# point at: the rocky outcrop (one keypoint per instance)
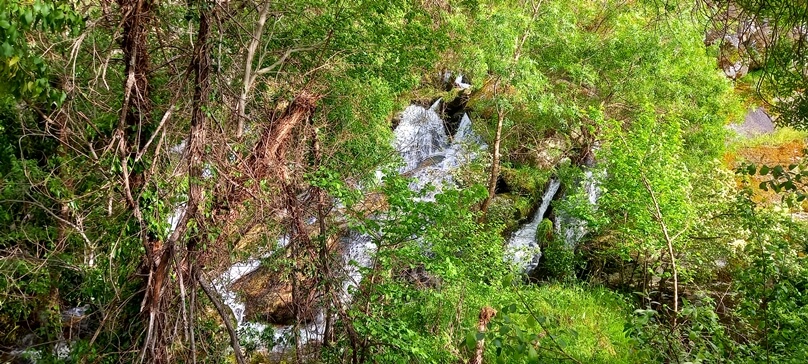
(742, 40)
(268, 292)
(756, 122)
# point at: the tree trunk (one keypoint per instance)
(160, 256)
(486, 314)
(225, 314)
(492, 180)
(248, 72)
(325, 265)
(657, 214)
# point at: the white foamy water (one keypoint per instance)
(429, 157)
(572, 228)
(522, 247)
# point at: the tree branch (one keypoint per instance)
(214, 297)
(669, 240)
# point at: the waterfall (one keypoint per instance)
(572, 228)
(233, 274)
(522, 248)
(420, 134)
(429, 157)
(359, 249)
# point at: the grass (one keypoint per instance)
(588, 321)
(780, 136)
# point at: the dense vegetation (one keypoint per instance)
(146, 147)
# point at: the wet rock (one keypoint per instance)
(419, 277)
(267, 295)
(756, 122)
(267, 291)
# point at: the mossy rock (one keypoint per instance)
(510, 210)
(525, 181)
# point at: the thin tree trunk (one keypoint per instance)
(197, 135)
(325, 266)
(223, 312)
(669, 240)
(158, 338)
(248, 63)
(486, 314)
(492, 180)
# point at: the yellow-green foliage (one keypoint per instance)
(586, 321)
(780, 136)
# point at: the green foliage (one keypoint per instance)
(780, 136)
(652, 151)
(567, 76)
(550, 323)
(772, 282)
(786, 179)
(558, 261)
(24, 72)
(699, 336)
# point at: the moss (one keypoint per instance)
(509, 210)
(524, 206)
(525, 181)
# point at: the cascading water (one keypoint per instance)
(234, 273)
(523, 250)
(572, 228)
(522, 247)
(429, 157)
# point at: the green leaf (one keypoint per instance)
(6, 50)
(471, 342)
(532, 355)
(28, 17)
(503, 330)
(764, 170)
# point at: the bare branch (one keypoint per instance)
(217, 302)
